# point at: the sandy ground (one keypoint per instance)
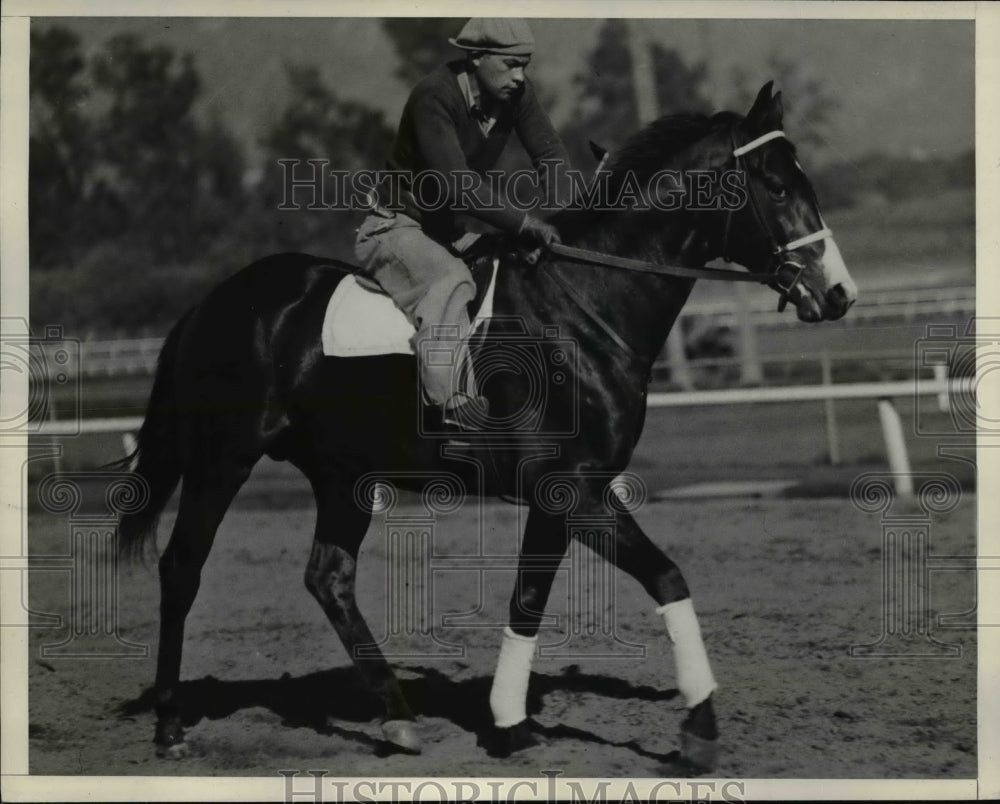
(783, 588)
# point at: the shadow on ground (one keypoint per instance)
(313, 701)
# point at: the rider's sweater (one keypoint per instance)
(443, 128)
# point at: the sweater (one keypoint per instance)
(438, 131)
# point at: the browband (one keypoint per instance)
(771, 135)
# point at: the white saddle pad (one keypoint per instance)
(361, 322)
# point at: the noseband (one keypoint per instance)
(781, 255)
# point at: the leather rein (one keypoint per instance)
(782, 255)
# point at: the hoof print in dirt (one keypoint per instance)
(501, 743)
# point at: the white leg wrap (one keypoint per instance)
(510, 682)
(694, 676)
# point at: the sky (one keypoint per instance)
(901, 86)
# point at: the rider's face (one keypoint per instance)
(500, 76)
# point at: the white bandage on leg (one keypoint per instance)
(510, 682)
(694, 676)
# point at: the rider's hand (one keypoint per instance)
(536, 232)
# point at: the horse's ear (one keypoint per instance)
(766, 112)
(776, 112)
(761, 103)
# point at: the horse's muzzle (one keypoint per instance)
(838, 302)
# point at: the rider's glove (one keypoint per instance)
(536, 232)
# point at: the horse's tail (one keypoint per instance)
(157, 454)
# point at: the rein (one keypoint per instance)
(628, 264)
(781, 256)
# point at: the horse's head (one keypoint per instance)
(777, 227)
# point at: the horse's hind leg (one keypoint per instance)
(205, 496)
(341, 524)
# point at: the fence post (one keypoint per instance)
(680, 371)
(895, 445)
(751, 372)
(941, 375)
(830, 408)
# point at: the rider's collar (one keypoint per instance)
(470, 91)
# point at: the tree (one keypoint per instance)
(606, 110)
(807, 102)
(317, 124)
(126, 187)
(61, 153)
(148, 139)
(421, 44)
(678, 85)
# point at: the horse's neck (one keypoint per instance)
(642, 308)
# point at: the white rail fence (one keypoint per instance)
(873, 303)
(949, 391)
(138, 356)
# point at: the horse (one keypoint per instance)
(243, 375)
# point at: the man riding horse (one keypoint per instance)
(457, 120)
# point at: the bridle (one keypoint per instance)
(781, 255)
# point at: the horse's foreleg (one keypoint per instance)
(543, 548)
(633, 552)
(330, 577)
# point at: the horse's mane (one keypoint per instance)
(645, 151)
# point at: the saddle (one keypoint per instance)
(362, 321)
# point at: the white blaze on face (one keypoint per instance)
(835, 271)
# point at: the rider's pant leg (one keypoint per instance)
(431, 286)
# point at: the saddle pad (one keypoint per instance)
(361, 323)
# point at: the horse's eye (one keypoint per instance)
(777, 189)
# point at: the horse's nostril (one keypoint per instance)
(839, 296)
(842, 292)
(838, 302)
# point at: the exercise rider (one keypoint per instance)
(456, 120)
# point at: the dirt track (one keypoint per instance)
(782, 587)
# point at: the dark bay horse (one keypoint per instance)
(243, 375)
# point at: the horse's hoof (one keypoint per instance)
(402, 734)
(169, 739)
(500, 743)
(700, 754)
(176, 751)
